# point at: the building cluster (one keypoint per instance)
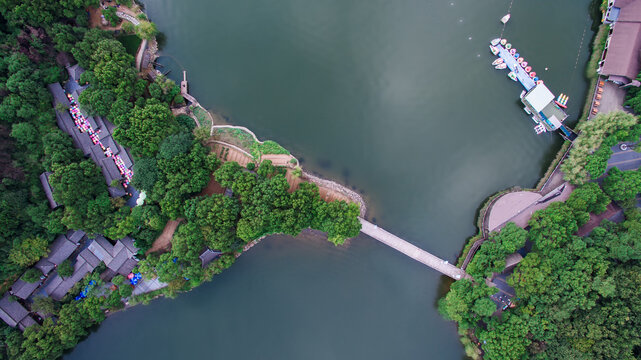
(620, 61)
(91, 134)
(86, 255)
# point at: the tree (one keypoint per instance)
(145, 173)
(175, 145)
(146, 128)
(32, 275)
(44, 305)
(65, 269)
(588, 197)
(622, 186)
(146, 30)
(340, 220)
(28, 251)
(216, 216)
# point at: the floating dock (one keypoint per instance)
(537, 98)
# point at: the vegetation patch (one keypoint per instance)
(574, 297)
(131, 43)
(587, 160)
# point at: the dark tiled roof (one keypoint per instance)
(44, 180)
(26, 322)
(89, 257)
(23, 289)
(208, 256)
(58, 93)
(630, 10)
(75, 235)
(85, 143)
(75, 72)
(127, 267)
(97, 154)
(116, 191)
(110, 170)
(60, 250)
(12, 312)
(622, 56)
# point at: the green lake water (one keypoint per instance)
(396, 99)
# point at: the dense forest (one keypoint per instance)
(575, 297)
(172, 166)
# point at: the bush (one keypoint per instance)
(65, 269)
(32, 275)
(593, 134)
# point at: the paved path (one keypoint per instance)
(412, 251)
(624, 159)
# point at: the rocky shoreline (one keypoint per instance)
(351, 194)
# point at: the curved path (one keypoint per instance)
(412, 251)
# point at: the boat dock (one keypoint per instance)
(537, 98)
(509, 60)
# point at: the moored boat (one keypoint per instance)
(505, 18)
(495, 42)
(498, 61)
(528, 68)
(494, 50)
(500, 66)
(524, 64)
(512, 75)
(503, 42)
(519, 60)
(508, 46)
(532, 75)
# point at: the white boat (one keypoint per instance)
(503, 42)
(524, 64)
(500, 66)
(505, 18)
(495, 42)
(494, 50)
(498, 61)
(512, 75)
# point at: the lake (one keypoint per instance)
(396, 99)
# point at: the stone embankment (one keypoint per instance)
(334, 186)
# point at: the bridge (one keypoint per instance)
(412, 251)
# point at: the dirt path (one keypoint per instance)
(279, 159)
(163, 242)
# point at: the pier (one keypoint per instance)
(412, 251)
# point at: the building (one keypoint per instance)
(44, 180)
(539, 102)
(23, 289)
(208, 256)
(101, 127)
(119, 259)
(14, 314)
(620, 59)
(60, 250)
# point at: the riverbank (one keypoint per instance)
(552, 180)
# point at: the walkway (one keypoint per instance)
(627, 159)
(412, 251)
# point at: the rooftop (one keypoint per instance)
(23, 289)
(44, 180)
(622, 57)
(539, 97)
(12, 312)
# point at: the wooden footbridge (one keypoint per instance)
(412, 251)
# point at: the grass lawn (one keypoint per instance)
(131, 43)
